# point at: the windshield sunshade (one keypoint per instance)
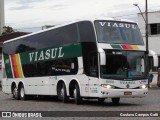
(112, 32)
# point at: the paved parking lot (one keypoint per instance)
(149, 103)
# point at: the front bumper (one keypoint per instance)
(123, 93)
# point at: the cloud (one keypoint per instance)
(27, 2)
(57, 7)
(21, 7)
(33, 13)
(24, 4)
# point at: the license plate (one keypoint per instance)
(127, 93)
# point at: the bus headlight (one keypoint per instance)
(107, 86)
(143, 86)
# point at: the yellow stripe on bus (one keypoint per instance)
(18, 66)
(135, 47)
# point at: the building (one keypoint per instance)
(1, 16)
(154, 37)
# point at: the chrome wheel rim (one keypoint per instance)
(15, 92)
(75, 93)
(22, 92)
(62, 92)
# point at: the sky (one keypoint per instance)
(31, 15)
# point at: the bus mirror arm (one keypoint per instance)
(155, 58)
(102, 56)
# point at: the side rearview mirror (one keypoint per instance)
(155, 58)
(102, 56)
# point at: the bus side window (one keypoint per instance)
(93, 65)
(67, 66)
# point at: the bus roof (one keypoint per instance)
(68, 23)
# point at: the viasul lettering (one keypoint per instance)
(52, 53)
(118, 25)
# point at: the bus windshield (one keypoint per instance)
(112, 32)
(124, 65)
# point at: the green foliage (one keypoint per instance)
(7, 30)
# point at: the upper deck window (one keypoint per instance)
(113, 32)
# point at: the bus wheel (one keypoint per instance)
(62, 93)
(115, 101)
(15, 93)
(101, 100)
(77, 96)
(22, 93)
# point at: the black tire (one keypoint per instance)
(22, 94)
(62, 93)
(115, 101)
(15, 93)
(101, 100)
(77, 97)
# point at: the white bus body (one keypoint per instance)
(77, 60)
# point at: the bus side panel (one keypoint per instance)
(40, 85)
(6, 85)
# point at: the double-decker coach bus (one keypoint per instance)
(97, 58)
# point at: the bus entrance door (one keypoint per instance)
(93, 86)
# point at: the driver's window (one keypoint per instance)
(140, 65)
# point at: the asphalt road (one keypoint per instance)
(149, 103)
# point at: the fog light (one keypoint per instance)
(144, 86)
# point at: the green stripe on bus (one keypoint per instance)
(53, 53)
(8, 66)
(116, 46)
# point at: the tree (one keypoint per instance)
(7, 30)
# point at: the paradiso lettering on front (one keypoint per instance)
(14, 62)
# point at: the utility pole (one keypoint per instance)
(1, 16)
(146, 30)
(146, 23)
(146, 14)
